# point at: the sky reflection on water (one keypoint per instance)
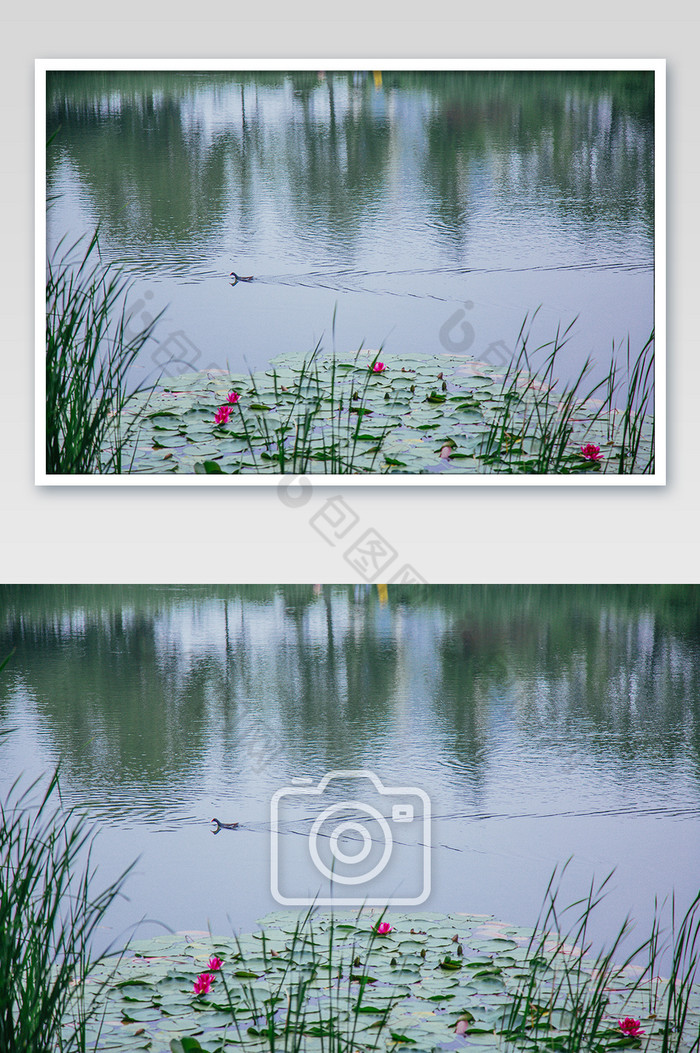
(543, 723)
(395, 204)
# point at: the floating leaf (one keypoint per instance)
(208, 468)
(186, 1044)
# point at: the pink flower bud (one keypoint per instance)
(630, 1027)
(591, 452)
(202, 984)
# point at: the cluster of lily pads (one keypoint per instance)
(349, 983)
(337, 414)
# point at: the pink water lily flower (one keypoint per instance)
(630, 1027)
(378, 367)
(215, 963)
(223, 415)
(383, 928)
(202, 984)
(591, 452)
(233, 397)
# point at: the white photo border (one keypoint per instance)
(658, 66)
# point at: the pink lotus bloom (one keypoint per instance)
(202, 984)
(378, 367)
(215, 963)
(223, 415)
(233, 397)
(591, 452)
(383, 928)
(630, 1027)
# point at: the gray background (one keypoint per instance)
(208, 534)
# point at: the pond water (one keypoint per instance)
(542, 723)
(422, 211)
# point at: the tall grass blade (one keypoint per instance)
(89, 351)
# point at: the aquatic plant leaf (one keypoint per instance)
(416, 396)
(186, 1044)
(208, 468)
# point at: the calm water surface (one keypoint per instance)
(430, 211)
(542, 722)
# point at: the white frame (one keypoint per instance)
(658, 66)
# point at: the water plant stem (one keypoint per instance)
(89, 351)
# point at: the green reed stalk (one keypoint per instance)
(295, 444)
(685, 965)
(88, 354)
(48, 916)
(295, 1011)
(638, 403)
(563, 980)
(532, 431)
(534, 413)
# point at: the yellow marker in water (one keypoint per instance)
(377, 74)
(383, 591)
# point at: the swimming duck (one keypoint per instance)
(223, 826)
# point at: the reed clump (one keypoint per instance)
(532, 432)
(569, 1000)
(89, 351)
(301, 443)
(49, 915)
(326, 1002)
